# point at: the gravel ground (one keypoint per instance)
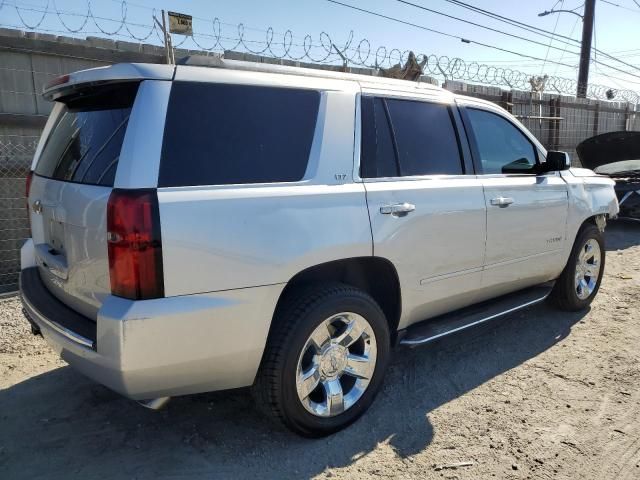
(539, 394)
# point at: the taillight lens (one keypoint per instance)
(135, 246)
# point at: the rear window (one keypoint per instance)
(217, 134)
(85, 142)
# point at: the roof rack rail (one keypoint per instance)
(326, 71)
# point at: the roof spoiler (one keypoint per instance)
(120, 72)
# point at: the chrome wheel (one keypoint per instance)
(336, 364)
(588, 269)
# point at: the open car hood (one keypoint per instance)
(622, 148)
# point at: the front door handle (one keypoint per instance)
(502, 201)
(398, 209)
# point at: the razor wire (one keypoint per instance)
(215, 36)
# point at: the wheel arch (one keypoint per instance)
(375, 275)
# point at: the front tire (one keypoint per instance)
(580, 280)
(325, 359)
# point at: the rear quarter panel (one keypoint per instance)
(237, 236)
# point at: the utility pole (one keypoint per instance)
(585, 49)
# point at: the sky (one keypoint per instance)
(616, 29)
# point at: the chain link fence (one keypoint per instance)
(16, 152)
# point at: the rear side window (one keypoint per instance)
(217, 134)
(425, 137)
(85, 142)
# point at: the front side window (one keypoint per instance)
(220, 134)
(502, 147)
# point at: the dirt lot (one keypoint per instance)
(540, 394)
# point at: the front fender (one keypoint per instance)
(590, 195)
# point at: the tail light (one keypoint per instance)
(134, 243)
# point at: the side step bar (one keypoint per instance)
(435, 328)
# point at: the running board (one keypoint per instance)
(435, 328)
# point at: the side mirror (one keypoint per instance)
(556, 161)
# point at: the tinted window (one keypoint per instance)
(502, 147)
(219, 134)
(378, 158)
(84, 144)
(425, 137)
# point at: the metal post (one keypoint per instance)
(585, 49)
(557, 122)
(596, 119)
(551, 132)
(166, 39)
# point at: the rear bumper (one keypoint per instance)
(163, 347)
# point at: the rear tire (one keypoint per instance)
(325, 359)
(580, 280)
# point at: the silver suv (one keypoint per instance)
(222, 224)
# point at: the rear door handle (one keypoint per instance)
(502, 201)
(398, 209)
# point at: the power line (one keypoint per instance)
(466, 40)
(534, 29)
(622, 6)
(511, 21)
(555, 27)
(495, 30)
(575, 24)
(450, 35)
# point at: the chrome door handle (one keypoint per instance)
(398, 209)
(502, 201)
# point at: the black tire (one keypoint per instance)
(564, 294)
(294, 322)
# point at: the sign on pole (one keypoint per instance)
(180, 23)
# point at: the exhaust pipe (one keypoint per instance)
(155, 403)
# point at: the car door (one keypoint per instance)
(425, 204)
(526, 210)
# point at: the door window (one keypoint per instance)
(426, 139)
(502, 147)
(378, 156)
(408, 138)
